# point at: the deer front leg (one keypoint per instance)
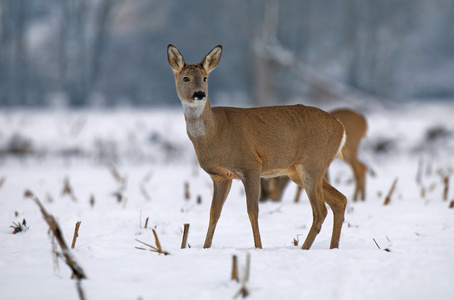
(221, 190)
(252, 187)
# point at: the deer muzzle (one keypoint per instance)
(199, 96)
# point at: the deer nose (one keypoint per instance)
(199, 95)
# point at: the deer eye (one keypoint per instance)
(205, 79)
(186, 79)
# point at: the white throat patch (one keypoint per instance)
(192, 112)
(194, 109)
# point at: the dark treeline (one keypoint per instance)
(109, 52)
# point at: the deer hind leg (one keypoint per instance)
(252, 187)
(298, 194)
(221, 190)
(314, 190)
(359, 171)
(319, 212)
(337, 202)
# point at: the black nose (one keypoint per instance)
(198, 96)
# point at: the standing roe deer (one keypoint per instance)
(250, 143)
(355, 127)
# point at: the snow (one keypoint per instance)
(150, 149)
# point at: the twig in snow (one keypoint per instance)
(235, 268)
(157, 249)
(296, 240)
(185, 236)
(243, 291)
(376, 244)
(187, 195)
(445, 190)
(118, 196)
(92, 200)
(18, 227)
(80, 291)
(78, 272)
(386, 249)
(76, 234)
(388, 197)
(68, 190)
(423, 191)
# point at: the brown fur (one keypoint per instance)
(355, 127)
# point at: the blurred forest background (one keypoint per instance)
(113, 52)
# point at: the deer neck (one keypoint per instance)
(199, 118)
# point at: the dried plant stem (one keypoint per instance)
(235, 268)
(376, 244)
(391, 190)
(92, 200)
(248, 267)
(158, 244)
(186, 191)
(19, 227)
(244, 292)
(185, 236)
(76, 234)
(446, 189)
(158, 248)
(146, 223)
(68, 190)
(296, 241)
(386, 249)
(78, 272)
(80, 291)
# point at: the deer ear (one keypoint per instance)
(211, 60)
(176, 60)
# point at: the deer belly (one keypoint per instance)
(274, 173)
(222, 172)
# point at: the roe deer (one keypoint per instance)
(250, 143)
(355, 127)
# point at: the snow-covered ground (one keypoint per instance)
(150, 150)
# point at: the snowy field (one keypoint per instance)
(40, 151)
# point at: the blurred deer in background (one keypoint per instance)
(249, 143)
(355, 127)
